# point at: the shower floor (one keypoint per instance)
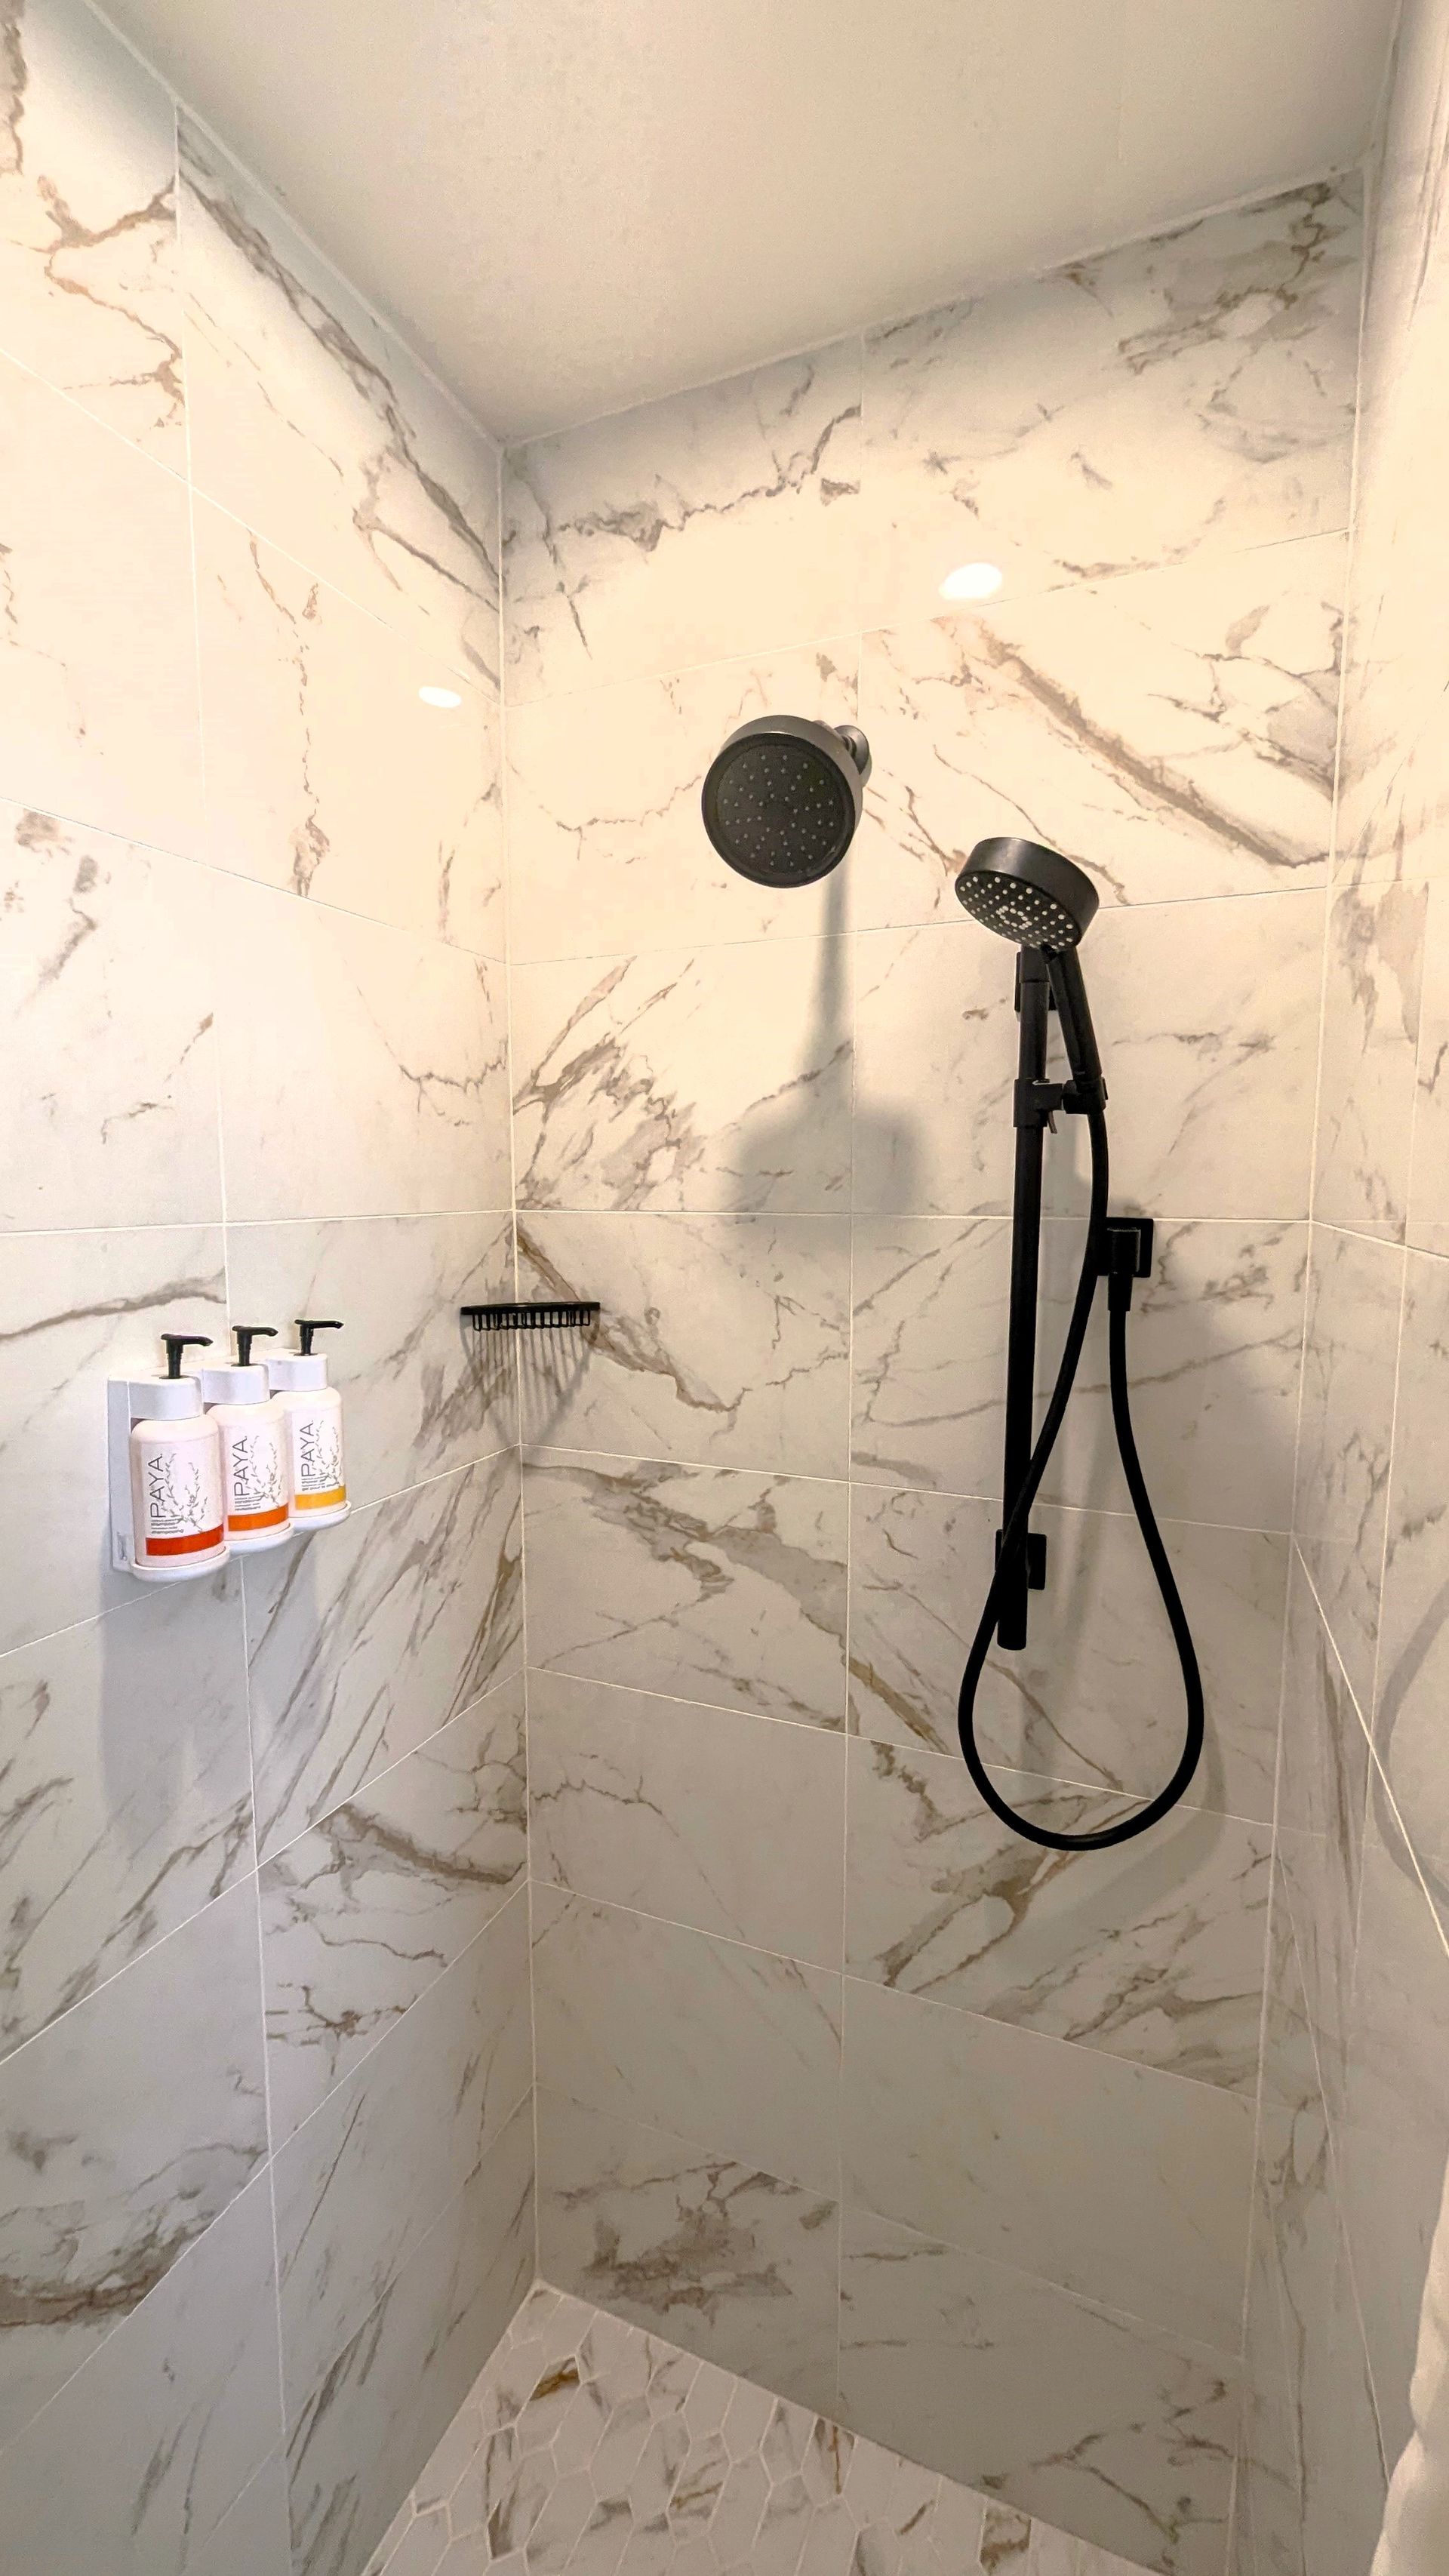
(592, 2447)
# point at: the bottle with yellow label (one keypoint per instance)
(313, 1411)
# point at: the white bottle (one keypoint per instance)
(252, 1427)
(179, 1523)
(314, 1427)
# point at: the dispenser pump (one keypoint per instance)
(307, 1325)
(175, 1343)
(245, 1382)
(246, 1334)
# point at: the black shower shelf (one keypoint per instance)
(541, 1318)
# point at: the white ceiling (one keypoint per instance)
(571, 205)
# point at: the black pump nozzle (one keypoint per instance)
(246, 1334)
(176, 1343)
(307, 1325)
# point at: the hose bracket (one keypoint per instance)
(1125, 1255)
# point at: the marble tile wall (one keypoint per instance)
(265, 2042)
(840, 2086)
(1348, 2247)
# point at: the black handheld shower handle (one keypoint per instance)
(1069, 992)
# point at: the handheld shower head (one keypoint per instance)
(783, 796)
(1027, 894)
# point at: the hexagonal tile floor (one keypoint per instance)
(592, 2447)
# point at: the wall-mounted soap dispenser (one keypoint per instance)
(168, 1521)
(314, 1424)
(252, 1426)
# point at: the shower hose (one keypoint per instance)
(1119, 1297)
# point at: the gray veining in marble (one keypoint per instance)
(370, 2425)
(361, 2182)
(725, 2259)
(125, 1791)
(363, 1072)
(1173, 729)
(90, 727)
(313, 424)
(1153, 1952)
(736, 1826)
(110, 2168)
(723, 1339)
(107, 1054)
(1322, 1791)
(1366, 1103)
(422, 1393)
(739, 2049)
(1096, 1694)
(325, 771)
(366, 1638)
(133, 2466)
(1214, 1349)
(88, 265)
(362, 1913)
(1058, 2407)
(687, 530)
(1112, 2181)
(1355, 1291)
(1184, 396)
(719, 1079)
(1408, 1711)
(705, 1583)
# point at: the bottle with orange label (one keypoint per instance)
(252, 1428)
(178, 1518)
(313, 1412)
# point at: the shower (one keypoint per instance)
(781, 802)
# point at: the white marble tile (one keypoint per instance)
(88, 281)
(1188, 395)
(363, 1073)
(1355, 1289)
(367, 1638)
(704, 1583)
(325, 772)
(361, 1914)
(722, 1339)
(1413, 1643)
(1393, 2139)
(254, 2538)
(422, 1393)
(711, 523)
(1153, 1952)
(125, 2129)
(1323, 1781)
(1428, 1208)
(1061, 2408)
(125, 1787)
(734, 1825)
(714, 1079)
(1213, 1352)
(737, 2266)
(1373, 979)
(170, 2419)
(1172, 730)
(75, 1309)
(1111, 2181)
(369, 2426)
(107, 1058)
(604, 794)
(1207, 1015)
(313, 424)
(360, 2183)
(1096, 1695)
(736, 2049)
(98, 711)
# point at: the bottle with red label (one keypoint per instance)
(252, 1428)
(175, 1455)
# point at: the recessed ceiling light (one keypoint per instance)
(972, 581)
(440, 697)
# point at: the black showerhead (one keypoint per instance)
(783, 798)
(1027, 894)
